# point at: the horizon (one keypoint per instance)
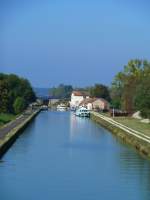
(79, 43)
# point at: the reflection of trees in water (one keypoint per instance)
(136, 170)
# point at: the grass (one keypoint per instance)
(5, 118)
(135, 124)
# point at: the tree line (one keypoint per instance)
(64, 91)
(61, 91)
(15, 93)
(129, 91)
(130, 88)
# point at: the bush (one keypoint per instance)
(142, 98)
(12, 87)
(19, 105)
(5, 118)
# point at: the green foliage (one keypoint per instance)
(142, 97)
(100, 91)
(11, 87)
(61, 92)
(4, 96)
(131, 87)
(116, 93)
(19, 105)
(5, 118)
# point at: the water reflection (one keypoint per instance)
(134, 171)
(77, 125)
(61, 156)
(83, 127)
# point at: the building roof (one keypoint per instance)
(104, 100)
(80, 93)
(88, 100)
(92, 100)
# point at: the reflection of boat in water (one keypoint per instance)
(82, 112)
(61, 107)
(73, 108)
(44, 107)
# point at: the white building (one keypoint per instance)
(76, 98)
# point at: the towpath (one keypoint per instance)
(13, 124)
(127, 129)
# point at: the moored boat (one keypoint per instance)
(82, 112)
(44, 107)
(61, 107)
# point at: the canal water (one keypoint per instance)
(63, 157)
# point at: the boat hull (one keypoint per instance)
(82, 114)
(61, 109)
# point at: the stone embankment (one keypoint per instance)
(135, 138)
(10, 132)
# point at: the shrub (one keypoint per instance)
(19, 105)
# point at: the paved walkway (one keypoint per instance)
(11, 125)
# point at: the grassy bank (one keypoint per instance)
(135, 124)
(5, 118)
(130, 122)
(139, 142)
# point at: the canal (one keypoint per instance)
(62, 157)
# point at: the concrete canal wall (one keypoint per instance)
(138, 140)
(9, 137)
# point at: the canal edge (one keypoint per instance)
(141, 144)
(12, 135)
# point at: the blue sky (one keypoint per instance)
(79, 42)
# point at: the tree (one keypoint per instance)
(100, 91)
(19, 105)
(127, 82)
(116, 94)
(131, 88)
(11, 87)
(28, 93)
(61, 92)
(4, 98)
(142, 97)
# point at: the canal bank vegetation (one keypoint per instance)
(11, 135)
(137, 140)
(131, 122)
(135, 124)
(6, 118)
(16, 94)
(130, 90)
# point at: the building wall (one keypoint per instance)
(89, 106)
(75, 100)
(100, 104)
